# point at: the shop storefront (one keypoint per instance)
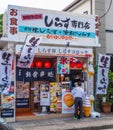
(63, 56)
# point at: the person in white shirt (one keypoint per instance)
(78, 94)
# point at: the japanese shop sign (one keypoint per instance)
(102, 73)
(60, 50)
(13, 22)
(28, 51)
(5, 71)
(52, 25)
(34, 74)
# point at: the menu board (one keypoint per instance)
(44, 94)
(45, 98)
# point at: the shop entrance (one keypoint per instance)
(23, 98)
(28, 96)
(38, 90)
(35, 97)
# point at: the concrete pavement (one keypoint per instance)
(67, 123)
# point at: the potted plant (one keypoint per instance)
(106, 105)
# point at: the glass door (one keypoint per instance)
(35, 97)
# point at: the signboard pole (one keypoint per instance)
(14, 54)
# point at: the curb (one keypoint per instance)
(92, 127)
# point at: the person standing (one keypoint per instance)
(78, 94)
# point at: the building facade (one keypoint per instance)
(40, 81)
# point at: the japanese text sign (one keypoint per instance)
(34, 74)
(102, 73)
(28, 51)
(5, 70)
(52, 25)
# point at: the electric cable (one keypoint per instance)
(107, 10)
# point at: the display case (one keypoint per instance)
(55, 97)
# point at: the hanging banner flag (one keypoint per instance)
(5, 71)
(102, 73)
(28, 51)
(104, 61)
(63, 65)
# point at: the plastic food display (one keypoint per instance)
(86, 106)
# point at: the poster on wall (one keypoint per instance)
(67, 102)
(7, 102)
(22, 94)
(36, 91)
(63, 66)
(22, 89)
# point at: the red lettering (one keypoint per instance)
(13, 30)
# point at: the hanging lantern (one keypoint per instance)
(39, 64)
(32, 65)
(72, 64)
(78, 64)
(47, 64)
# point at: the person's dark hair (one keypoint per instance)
(79, 83)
